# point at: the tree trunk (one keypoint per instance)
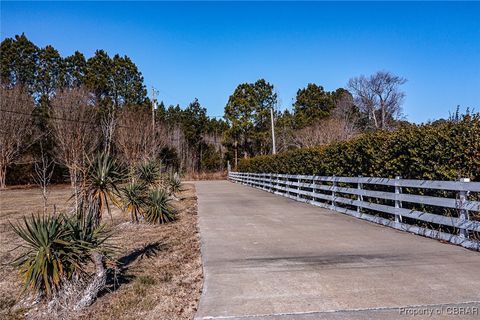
(382, 108)
(3, 176)
(97, 284)
(73, 177)
(236, 154)
(374, 119)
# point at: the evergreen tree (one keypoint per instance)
(75, 70)
(248, 115)
(312, 103)
(49, 72)
(18, 61)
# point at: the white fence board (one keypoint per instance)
(323, 192)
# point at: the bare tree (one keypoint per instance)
(136, 138)
(346, 111)
(108, 125)
(16, 108)
(379, 97)
(43, 174)
(324, 132)
(73, 117)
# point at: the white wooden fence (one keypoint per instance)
(339, 194)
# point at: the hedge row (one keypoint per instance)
(444, 150)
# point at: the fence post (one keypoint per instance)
(287, 186)
(298, 188)
(334, 187)
(463, 214)
(274, 182)
(359, 196)
(278, 183)
(398, 203)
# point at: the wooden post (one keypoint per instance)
(287, 180)
(359, 196)
(398, 203)
(463, 213)
(334, 187)
(298, 188)
(313, 189)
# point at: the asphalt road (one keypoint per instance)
(269, 257)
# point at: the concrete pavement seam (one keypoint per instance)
(339, 311)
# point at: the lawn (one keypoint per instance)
(158, 273)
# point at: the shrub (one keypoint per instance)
(174, 184)
(445, 150)
(132, 198)
(58, 247)
(148, 173)
(157, 208)
(100, 184)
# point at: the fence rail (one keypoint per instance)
(384, 201)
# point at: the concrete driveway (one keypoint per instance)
(268, 257)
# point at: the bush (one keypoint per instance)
(148, 173)
(174, 184)
(59, 247)
(132, 199)
(100, 183)
(158, 209)
(445, 150)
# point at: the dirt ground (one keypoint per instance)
(159, 273)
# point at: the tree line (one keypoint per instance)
(72, 106)
(64, 108)
(317, 116)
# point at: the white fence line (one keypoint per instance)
(325, 192)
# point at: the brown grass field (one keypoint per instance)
(159, 271)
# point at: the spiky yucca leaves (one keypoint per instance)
(157, 208)
(100, 184)
(148, 173)
(49, 255)
(58, 247)
(132, 198)
(84, 230)
(175, 184)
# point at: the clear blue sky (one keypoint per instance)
(205, 50)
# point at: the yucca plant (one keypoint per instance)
(58, 247)
(50, 256)
(84, 230)
(175, 185)
(100, 184)
(157, 207)
(148, 172)
(132, 198)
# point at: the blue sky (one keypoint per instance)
(205, 50)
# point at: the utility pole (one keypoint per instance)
(273, 132)
(154, 106)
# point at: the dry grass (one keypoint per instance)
(219, 175)
(159, 272)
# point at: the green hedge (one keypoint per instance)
(444, 150)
